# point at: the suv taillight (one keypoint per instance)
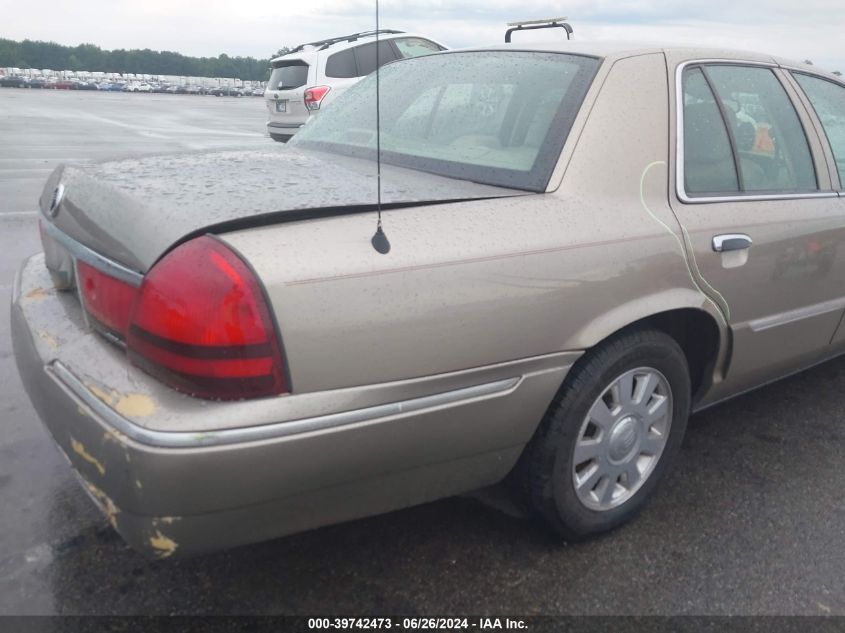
(201, 324)
(314, 96)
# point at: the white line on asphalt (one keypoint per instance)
(18, 214)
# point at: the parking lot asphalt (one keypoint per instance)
(751, 519)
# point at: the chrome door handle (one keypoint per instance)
(731, 242)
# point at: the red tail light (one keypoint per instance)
(201, 324)
(314, 96)
(106, 299)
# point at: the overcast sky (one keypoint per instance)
(805, 29)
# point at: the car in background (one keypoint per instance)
(138, 87)
(13, 81)
(226, 91)
(176, 90)
(113, 87)
(37, 83)
(66, 84)
(312, 75)
(87, 85)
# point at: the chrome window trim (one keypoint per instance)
(679, 144)
(196, 439)
(81, 252)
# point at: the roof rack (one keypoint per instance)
(324, 44)
(529, 25)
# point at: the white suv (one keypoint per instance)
(313, 74)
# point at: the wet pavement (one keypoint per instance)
(750, 521)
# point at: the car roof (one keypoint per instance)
(310, 50)
(612, 50)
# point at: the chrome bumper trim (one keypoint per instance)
(285, 126)
(188, 439)
(81, 252)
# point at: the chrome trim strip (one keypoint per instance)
(56, 200)
(806, 312)
(193, 439)
(82, 252)
(679, 145)
(753, 198)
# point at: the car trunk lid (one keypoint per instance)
(133, 211)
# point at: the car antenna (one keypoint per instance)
(379, 239)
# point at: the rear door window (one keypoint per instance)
(415, 46)
(742, 134)
(288, 75)
(773, 151)
(828, 100)
(366, 56)
(342, 65)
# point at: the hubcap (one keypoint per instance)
(622, 438)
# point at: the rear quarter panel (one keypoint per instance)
(477, 283)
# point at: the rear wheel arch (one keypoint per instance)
(700, 336)
(685, 314)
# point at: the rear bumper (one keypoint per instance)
(285, 130)
(175, 490)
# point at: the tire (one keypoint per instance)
(547, 472)
(281, 138)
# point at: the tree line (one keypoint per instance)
(41, 55)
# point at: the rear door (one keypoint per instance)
(826, 101)
(761, 221)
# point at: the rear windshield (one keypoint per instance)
(495, 117)
(288, 75)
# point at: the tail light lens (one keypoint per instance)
(314, 96)
(200, 323)
(107, 300)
